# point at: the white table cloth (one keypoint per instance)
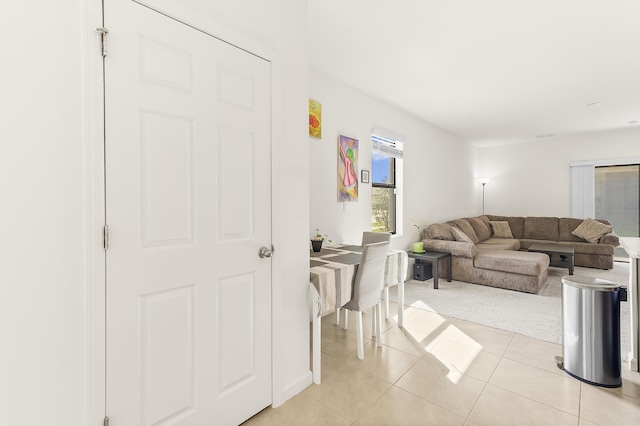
(332, 271)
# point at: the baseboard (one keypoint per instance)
(293, 389)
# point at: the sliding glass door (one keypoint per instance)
(617, 191)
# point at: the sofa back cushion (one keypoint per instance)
(460, 236)
(439, 231)
(516, 223)
(481, 227)
(541, 228)
(566, 226)
(465, 226)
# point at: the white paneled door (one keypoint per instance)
(188, 196)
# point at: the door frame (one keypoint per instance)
(94, 193)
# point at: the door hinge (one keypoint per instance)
(105, 237)
(106, 421)
(103, 36)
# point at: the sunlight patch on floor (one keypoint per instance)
(419, 304)
(453, 348)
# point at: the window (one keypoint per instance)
(617, 197)
(386, 159)
(383, 194)
(608, 189)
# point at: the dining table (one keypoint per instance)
(332, 270)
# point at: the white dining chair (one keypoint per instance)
(368, 237)
(367, 289)
(401, 274)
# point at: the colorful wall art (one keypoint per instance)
(315, 119)
(347, 169)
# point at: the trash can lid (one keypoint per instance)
(590, 283)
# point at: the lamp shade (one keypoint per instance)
(483, 180)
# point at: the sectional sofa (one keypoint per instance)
(492, 250)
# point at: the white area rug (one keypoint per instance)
(534, 315)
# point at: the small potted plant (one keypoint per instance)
(419, 246)
(317, 239)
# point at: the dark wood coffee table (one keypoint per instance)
(560, 256)
(433, 257)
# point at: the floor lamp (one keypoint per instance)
(483, 181)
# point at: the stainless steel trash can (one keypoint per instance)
(591, 329)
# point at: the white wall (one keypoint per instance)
(41, 219)
(48, 179)
(534, 179)
(439, 180)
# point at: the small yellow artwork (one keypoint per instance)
(315, 119)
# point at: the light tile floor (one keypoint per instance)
(445, 371)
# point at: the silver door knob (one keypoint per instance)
(264, 252)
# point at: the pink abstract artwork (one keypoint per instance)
(347, 169)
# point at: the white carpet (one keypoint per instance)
(534, 315)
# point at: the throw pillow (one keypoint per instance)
(591, 230)
(501, 229)
(460, 236)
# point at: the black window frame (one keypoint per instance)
(393, 186)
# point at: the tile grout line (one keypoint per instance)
(544, 371)
(468, 419)
(580, 404)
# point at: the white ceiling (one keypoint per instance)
(488, 71)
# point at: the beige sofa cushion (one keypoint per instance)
(591, 230)
(460, 236)
(500, 244)
(590, 249)
(501, 229)
(481, 227)
(610, 238)
(566, 226)
(439, 231)
(465, 226)
(518, 262)
(466, 250)
(541, 228)
(516, 223)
